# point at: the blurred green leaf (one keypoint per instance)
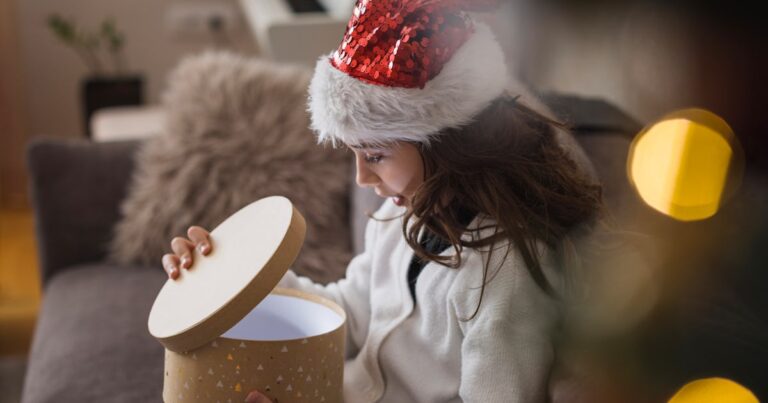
(63, 28)
(88, 44)
(115, 39)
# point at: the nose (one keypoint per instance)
(365, 177)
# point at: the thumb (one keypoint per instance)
(256, 397)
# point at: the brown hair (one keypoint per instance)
(508, 165)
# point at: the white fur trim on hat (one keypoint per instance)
(354, 112)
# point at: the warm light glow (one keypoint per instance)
(680, 164)
(713, 390)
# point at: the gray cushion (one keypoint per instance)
(76, 188)
(91, 343)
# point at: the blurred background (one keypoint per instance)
(647, 57)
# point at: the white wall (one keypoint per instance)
(52, 71)
(636, 56)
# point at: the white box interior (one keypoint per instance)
(281, 317)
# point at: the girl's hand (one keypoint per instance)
(181, 257)
(256, 397)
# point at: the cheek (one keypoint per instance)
(404, 179)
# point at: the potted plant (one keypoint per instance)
(107, 83)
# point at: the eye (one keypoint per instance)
(373, 159)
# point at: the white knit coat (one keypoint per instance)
(401, 352)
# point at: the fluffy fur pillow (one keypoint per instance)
(236, 131)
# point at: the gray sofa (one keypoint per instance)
(91, 342)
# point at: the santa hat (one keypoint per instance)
(405, 70)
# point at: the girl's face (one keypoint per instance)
(395, 171)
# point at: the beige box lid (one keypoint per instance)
(252, 250)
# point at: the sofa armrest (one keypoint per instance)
(605, 133)
(76, 190)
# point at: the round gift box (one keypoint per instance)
(227, 330)
(290, 347)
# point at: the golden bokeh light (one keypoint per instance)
(680, 165)
(713, 390)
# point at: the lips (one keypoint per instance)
(397, 199)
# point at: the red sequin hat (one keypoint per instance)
(405, 70)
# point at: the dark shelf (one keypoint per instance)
(306, 6)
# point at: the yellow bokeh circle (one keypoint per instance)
(713, 390)
(680, 165)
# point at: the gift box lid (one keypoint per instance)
(252, 250)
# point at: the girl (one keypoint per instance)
(455, 297)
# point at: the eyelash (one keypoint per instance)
(373, 159)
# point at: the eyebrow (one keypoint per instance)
(367, 147)
(375, 146)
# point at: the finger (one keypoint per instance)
(257, 397)
(201, 238)
(171, 265)
(183, 247)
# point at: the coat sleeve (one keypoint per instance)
(352, 292)
(506, 351)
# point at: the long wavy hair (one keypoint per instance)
(507, 165)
